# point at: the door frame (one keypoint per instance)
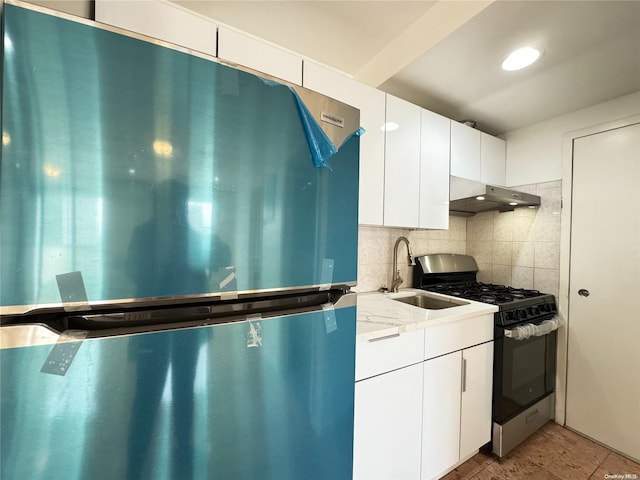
(565, 251)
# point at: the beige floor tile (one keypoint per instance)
(519, 466)
(552, 453)
(616, 464)
(469, 468)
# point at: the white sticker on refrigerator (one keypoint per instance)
(254, 330)
(72, 292)
(326, 274)
(330, 321)
(63, 352)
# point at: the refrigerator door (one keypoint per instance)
(135, 171)
(258, 399)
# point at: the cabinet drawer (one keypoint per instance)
(382, 355)
(449, 337)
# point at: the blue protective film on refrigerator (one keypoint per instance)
(319, 144)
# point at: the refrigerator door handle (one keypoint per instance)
(28, 335)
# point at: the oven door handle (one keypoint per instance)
(527, 330)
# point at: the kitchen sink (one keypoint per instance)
(430, 303)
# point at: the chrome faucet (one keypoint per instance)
(396, 280)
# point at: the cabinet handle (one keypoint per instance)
(531, 416)
(386, 337)
(464, 375)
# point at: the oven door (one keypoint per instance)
(524, 372)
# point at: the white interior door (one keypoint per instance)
(603, 370)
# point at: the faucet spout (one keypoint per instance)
(396, 279)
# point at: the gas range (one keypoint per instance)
(455, 275)
(515, 304)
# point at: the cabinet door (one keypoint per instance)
(162, 20)
(441, 414)
(465, 151)
(492, 160)
(477, 375)
(435, 136)
(387, 425)
(371, 103)
(242, 49)
(402, 164)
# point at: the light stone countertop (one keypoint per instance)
(379, 315)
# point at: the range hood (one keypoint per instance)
(468, 197)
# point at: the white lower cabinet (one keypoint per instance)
(423, 400)
(441, 414)
(387, 435)
(456, 415)
(475, 410)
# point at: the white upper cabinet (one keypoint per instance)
(242, 49)
(493, 160)
(435, 134)
(371, 103)
(476, 155)
(402, 164)
(465, 151)
(162, 20)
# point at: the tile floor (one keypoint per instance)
(552, 453)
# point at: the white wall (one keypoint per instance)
(534, 153)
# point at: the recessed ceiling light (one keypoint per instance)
(513, 204)
(523, 57)
(479, 197)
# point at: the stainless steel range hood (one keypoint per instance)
(468, 197)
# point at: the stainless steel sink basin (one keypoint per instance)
(429, 303)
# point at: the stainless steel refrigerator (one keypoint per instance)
(178, 239)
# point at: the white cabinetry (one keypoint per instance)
(441, 414)
(475, 411)
(465, 151)
(404, 173)
(388, 407)
(423, 399)
(493, 160)
(402, 163)
(162, 20)
(457, 420)
(477, 156)
(387, 429)
(435, 134)
(371, 103)
(242, 49)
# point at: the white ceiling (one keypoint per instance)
(445, 55)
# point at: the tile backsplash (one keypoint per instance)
(375, 251)
(519, 248)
